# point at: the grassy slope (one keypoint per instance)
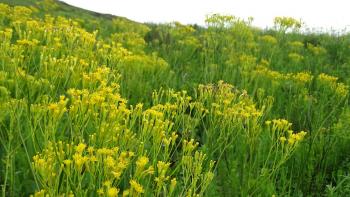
(62, 9)
(103, 22)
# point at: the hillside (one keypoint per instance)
(88, 19)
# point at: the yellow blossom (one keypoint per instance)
(136, 186)
(112, 192)
(80, 148)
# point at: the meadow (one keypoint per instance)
(98, 105)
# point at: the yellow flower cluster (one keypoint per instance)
(327, 78)
(285, 23)
(59, 107)
(135, 186)
(294, 137)
(303, 77)
(331, 83)
(263, 71)
(6, 35)
(101, 74)
(75, 160)
(219, 20)
(282, 129)
(300, 77)
(279, 124)
(25, 42)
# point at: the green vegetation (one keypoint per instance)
(98, 105)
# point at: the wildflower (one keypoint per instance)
(100, 192)
(80, 148)
(131, 154)
(136, 186)
(291, 140)
(110, 162)
(189, 146)
(104, 151)
(166, 142)
(79, 160)
(40, 193)
(303, 77)
(93, 158)
(90, 150)
(112, 192)
(172, 184)
(150, 170)
(341, 90)
(327, 78)
(107, 183)
(142, 161)
(285, 23)
(302, 133)
(174, 136)
(116, 174)
(26, 42)
(53, 107)
(67, 162)
(139, 105)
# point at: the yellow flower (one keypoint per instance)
(327, 78)
(112, 192)
(150, 170)
(162, 167)
(91, 150)
(284, 23)
(80, 148)
(53, 107)
(67, 162)
(104, 151)
(142, 161)
(100, 192)
(131, 154)
(110, 162)
(291, 141)
(172, 184)
(116, 174)
(342, 90)
(79, 160)
(107, 183)
(93, 158)
(303, 77)
(136, 186)
(40, 193)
